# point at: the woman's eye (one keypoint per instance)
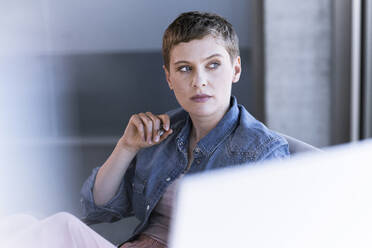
(184, 68)
(213, 65)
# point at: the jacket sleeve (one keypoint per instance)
(118, 207)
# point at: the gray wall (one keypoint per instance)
(91, 26)
(58, 58)
(298, 68)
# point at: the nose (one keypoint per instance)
(199, 80)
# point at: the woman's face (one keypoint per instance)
(201, 74)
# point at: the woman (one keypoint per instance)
(201, 62)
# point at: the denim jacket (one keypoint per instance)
(237, 139)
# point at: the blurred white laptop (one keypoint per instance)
(311, 200)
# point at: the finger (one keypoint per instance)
(165, 121)
(147, 122)
(156, 122)
(137, 122)
(165, 135)
(161, 132)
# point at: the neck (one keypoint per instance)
(202, 125)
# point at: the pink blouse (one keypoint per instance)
(159, 221)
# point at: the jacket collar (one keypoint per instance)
(210, 142)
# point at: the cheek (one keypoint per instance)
(180, 83)
(224, 78)
(227, 73)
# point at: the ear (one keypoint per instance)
(237, 67)
(167, 76)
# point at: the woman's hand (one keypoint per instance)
(145, 130)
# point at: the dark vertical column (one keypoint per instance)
(341, 69)
(258, 57)
(367, 72)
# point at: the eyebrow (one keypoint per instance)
(209, 57)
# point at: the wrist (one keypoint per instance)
(122, 145)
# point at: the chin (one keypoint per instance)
(201, 111)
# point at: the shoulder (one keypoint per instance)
(253, 139)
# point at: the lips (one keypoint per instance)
(200, 98)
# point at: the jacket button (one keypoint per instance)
(148, 207)
(168, 179)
